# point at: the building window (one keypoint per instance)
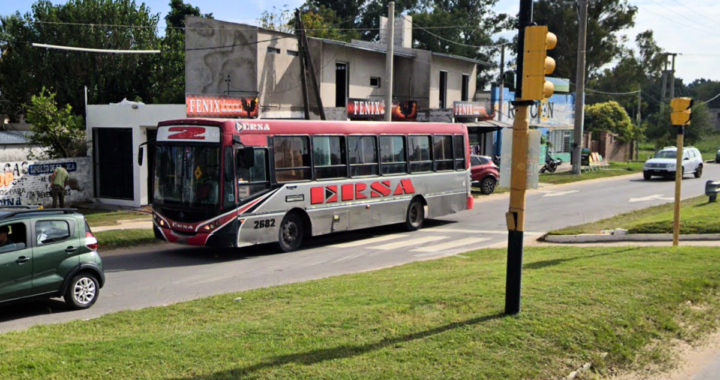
(375, 82)
(443, 89)
(329, 157)
(292, 53)
(419, 152)
(443, 153)
(465, 96)
(363, 156)
(292, 158)
(272, 50)
(392, 155)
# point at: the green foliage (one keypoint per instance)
(57, 129)
(610, 117)
(607, 20)
(662, 133)
(319, 21)
(179, 10)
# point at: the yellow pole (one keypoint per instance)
(678, 185)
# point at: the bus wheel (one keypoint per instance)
(291, 232)
(415, 215)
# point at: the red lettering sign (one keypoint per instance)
(349, 192)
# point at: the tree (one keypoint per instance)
(610, 117)
(24, 70)
(662, 133)
(319, 21)
(606, 20)
(58, 130)
(168, 80)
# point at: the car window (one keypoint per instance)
(13, 237)
(666, 154)
(51, 231)
(474, 161)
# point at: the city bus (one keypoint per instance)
(236, 183)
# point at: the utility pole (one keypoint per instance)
(301, 56)
(672, 77)
(502, 80)
(580, 90)
(313, 78)
(515, 216)
(639, 123)
(664, 83)
(389, 61)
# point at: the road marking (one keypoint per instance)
(450, 245)
(349, 257)
(407, 243)
(656, 197)
(358, 243)
(486, 232)
(550, 193)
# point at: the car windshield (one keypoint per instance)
(666, 154)
(187, 176)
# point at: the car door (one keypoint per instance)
(16, 264)
(687, 162)
(56, 250)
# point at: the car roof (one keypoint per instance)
(19, 212)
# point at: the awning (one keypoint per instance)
(485, 126)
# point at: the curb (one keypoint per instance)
(579, 239)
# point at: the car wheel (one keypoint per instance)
(82, 292)
(487, 186)
(415, 216)
(291, 232)
(698, 172)
(647, 176)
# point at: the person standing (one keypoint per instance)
(59, 180)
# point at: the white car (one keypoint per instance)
(663, 164)
(717, 157)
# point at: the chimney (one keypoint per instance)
(403, 31)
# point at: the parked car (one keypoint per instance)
(717, 157)
(485, 173)
(663, 164)
(48, 253)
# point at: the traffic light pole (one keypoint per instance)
(678, 185)
(518, 178)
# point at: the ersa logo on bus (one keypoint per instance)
(240, 126)
(359, 191)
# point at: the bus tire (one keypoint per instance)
(415, 215)
(291, 232)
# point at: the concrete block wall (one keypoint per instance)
(28, 182)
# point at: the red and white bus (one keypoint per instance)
(235, 183)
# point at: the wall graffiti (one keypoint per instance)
(28, 182)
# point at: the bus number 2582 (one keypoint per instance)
(267, 223)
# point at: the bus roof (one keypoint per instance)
(271, 127)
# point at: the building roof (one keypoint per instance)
(15, 137)
(466, 59)
(368, 47)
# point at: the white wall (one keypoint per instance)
(19, 152)
(455, 70)
(139, 120)
(28, 182)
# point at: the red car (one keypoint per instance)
(484, 172)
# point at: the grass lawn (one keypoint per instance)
(437, 319)
(697, 216)
(615, 169)
(97, 218)
(708, 146)
(125, 238)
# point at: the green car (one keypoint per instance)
(48, 253)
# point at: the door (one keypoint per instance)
(341, 84)
(55, 252)
(151, 136)
(114, 162)
(16, 263)
(443, 90)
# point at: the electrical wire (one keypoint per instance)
(675, 22)
(454, 42)
(697, 13)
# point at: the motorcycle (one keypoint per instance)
(551, 164)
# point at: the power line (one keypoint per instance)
(710, 100)
(697, 13)
(678, 14)
(675, 22)
(451, 41)
(91, 50)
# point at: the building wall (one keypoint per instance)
(139, 120)
(361, 66)
(28, 182)
(455, 70)
(19, 152)
(206, 70)
(278, 78)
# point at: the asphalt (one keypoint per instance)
(165, 274)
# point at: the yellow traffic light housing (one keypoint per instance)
(681, 114)
(536, 63)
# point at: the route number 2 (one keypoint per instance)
(267, 223)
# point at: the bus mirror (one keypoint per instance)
(140, 156)
(246, 157)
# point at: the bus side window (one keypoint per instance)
(229, 179)
(363, 156)
(420, 154)
(292, 158)
(443, 153)
(254, 179)
(460, 152)
(392, 155)
(329, 157)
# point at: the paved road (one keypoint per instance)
(163, 275)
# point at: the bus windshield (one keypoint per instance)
(187, 176)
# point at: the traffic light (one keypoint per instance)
(681, 114)
(536, 63)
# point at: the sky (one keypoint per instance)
(687, 27)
